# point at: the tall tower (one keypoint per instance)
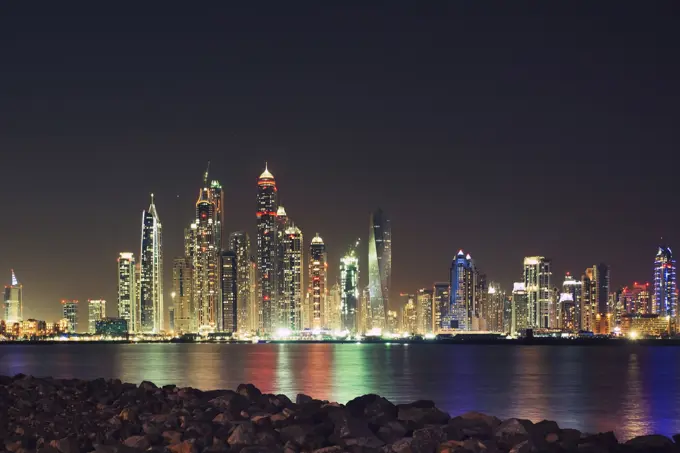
(182, 288)
(290, 304)
(595, 298)
(279, 301)
(424, 306)
(379, 267)
(570, 300)
(96, 311)
(13, 302)
(494, 311)
(520, 310)
(229, 310)
(151, 272)
(318, 281)
(239, 243)
(128, 307)
(266, 248)
(665, 284)
(441, 302)
(70, 311)
(463, 285)
(537, 273)
(349, 289)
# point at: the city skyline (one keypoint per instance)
(467, 133)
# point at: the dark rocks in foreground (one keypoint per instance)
(46, 415)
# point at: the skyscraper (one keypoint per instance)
(266, 248)
(229, 309)
(279, 298)
(425, 314)
(594, 299)
(70, 311)
(333, 314)
(635, 299)
(665, 284)
(206, 247)
(254, 307)
(494, 310)
(128, 307)
(151, 272)
(379, 266)
(442, 306)
(13, 302)
(520, 309)
(290, 303)
(182, 288)
(409, 316)
(239, 243)
(570, 301)
(463, 288)
(537, 273)
(349, 287)
(318, 281)
(96, 311)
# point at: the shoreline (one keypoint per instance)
(50, 415)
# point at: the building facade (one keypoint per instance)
(349, 288)
(318, 282)
(441, 306)
(13, 301)
(182, 288)
(128, 306)
(424, 304)
(239, 243)
(595, 299)
(70, 312)
(463, 284)
(96, 310)
(151, 272)
(379, 267)
(537, 276)
(494, 308)
(521, 313)
(665, 284)
(266, 249)
(229, 275)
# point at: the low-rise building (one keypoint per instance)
(112, 327)
(647, 325)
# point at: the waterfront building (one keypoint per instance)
(379, 267)
(13, 302)
(96, 310)
(595, 298)
(182, 288)
(636, 299)
(112, 327)
(521, 312)
(409, 319)
(507, 313)
(570, 301)
(283, 222)
(32, 328)
(70, 311)
(494, 308)
(665, 284)
(392, 321)
(335, 307)
(364, 311)
(349, 288)
(266, 249)
(128, 307)
(151, 272)
(441, 306)
(239, 243)
(424, 306)
(254, 307)
(290, 300)
(649, 325)
(463, 300)
(229, 287)
(537, 274)
(318, 281)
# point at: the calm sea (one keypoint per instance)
(632, 390)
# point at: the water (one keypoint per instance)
(632, 390)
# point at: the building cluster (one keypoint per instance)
(279, 286)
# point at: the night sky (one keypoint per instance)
(492, 127)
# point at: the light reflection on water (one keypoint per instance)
(632, 390)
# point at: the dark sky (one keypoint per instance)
(493, 127)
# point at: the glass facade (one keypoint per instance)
(349, 288)
(266, 249)
(379, 267)
(128, 307)
(239, 243)
(96, 310)
(229, 310)
(318, 282)
(665, 284)
(151, 273)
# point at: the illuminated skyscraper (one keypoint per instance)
(182, 285)
(282, 224)
(13, 302)
(266, 248)
(229, 311)
(379, 266)
(128, 306)
(239, 243)
(290, 303)
(364, 311)
(494, 308)
(334, 307)
(318, 281)
(636, 299)
(463, 288)
(442, 306)
(70, 311)
(520, 309)
(570, 304)
(349, 287)
(537, 273)
(594, 299)
(409, 318)
(665, 284)
(96, 311)
(424, 307)
(151, 272)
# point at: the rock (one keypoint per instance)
(243, 434)
(373, 407)
(301, 398)
(259, 449)
(333, 449)
(522, 447)
(391, 432)
(148, 386)
(512, 427)
(249, 391)
(491, 421)
(183, 447)
(602, 441)
(128, 415)
(231, 402)
(402, 446)
(302, 435)
(66, 445)
(427, 440)
(140, 442)
(651, 443)
(450, 446)
(419, 414)
(460, 428)
(172, 437)
(552, 438)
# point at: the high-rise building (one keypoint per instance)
(128, 307)
(364, 311)
(636, 299)
(318, 281)
(290, 302)
(96, 311)
(442, 306)
(182, 285)
(665, 284)
(151, 272)
(480, 305)
(570, 304)
(13, 302)
(494, 308)
(239, 243)
(379, 267)
(70, 311)
(229, 286)
(254, 307)
(521, 311)
(266, 249)
(594, 299)
(334, 308)
(409, 319)
(463, 293)
(424, 307)
(282, 224)
(204, 248)
(349, 287)
(537, 273)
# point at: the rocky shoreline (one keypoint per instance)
(47, 415)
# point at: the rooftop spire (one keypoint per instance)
(15, 282)
(205, 175)
(266, 174)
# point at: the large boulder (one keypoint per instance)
(249, 391)
(652, 444)
(420, 413)
(427, 440)
(242, 435)
(375, 408)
